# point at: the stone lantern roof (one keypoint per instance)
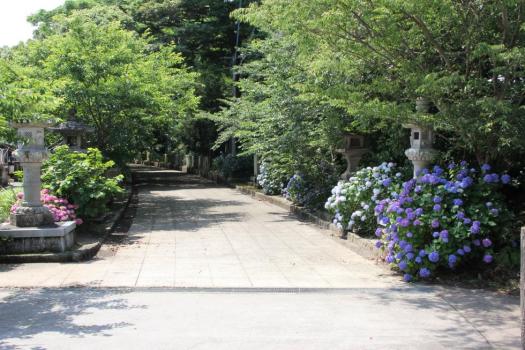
(72, 127)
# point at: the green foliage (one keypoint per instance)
(373, 59)
(230, 166)
(82, 179)
(7, 200)
(113, 79)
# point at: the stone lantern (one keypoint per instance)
(31, 154)
(73, 132)
(31, 227)
(353, 151)
(420, 152)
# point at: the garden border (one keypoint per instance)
(82, 253)
(361, 246)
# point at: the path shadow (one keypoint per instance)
(26, 313)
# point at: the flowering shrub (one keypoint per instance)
(270, 180)
(82, 178)
(352, 202)
(61, 209)
(444, 219)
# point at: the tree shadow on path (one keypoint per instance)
(26, 313)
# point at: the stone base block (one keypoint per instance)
(31, 217)
(53, 238)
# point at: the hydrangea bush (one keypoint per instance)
(445, 218)
(61, 209)
(352, 202)
(271, 182)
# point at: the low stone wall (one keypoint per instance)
(362, 246)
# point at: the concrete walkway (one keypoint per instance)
(207, 267)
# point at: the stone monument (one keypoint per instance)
(31, 227)
(353, 150)
(420, 152)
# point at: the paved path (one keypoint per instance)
(195, 234)
(253, 277)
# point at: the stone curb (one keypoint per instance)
(362, 246)
(82, 253)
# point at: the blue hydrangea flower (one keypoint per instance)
(460, 252)
(435, 223)
(436, 207)
(399, 256)
(410, 234)
(418, 260)
(379, 244)
(403, 265)
(422, 253)
(505, 179)
(458, 202)
(435, 234)
(407, 277)
(452, 259)
(487, 258)
(424, 272)
(467, 249)
(437, 199)
(485, 168)
(389, 259)
(476, 242)
(419, 211)
(460, 215)
(433, 257)
(486, 242)
(409, 256)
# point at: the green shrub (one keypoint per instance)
(230, 166)
(82, 179)
(7, 199)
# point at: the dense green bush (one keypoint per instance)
(230, 166)
(82, 179)
(7, 199)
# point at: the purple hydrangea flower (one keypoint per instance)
(399, 256)
(466, 182)
(435, 223)
(460, 252)
(379, 232)
(467, 249)
(437, 199)
(402, 244)
(486, 242)
(467, 221)
(407, 277)
(389, 259)
(435, 234)
(460, 215)
(485, 168)
(410, 234)
(386, 182)
(418, 260)
(505, 179)
(437, 207)
(458, 202)
(379, 244)
(416, 223)
(463, 163)
(433, 257)
(452, 259)
(487, 258)
(476, 242)
(422, 253)
(424, 272)
(494, 211)
(419, 211)
(403, 265)
(418, 189)
(409, 256)
(408, 248)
